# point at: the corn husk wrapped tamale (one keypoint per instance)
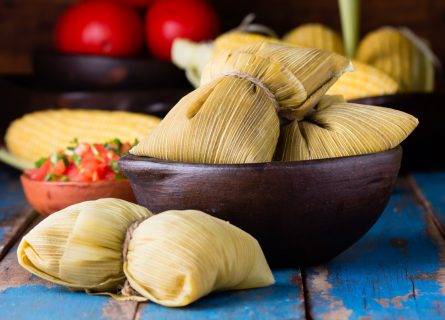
(364, 81)
(193, 56)
(315, 35)
(81, 245)
(234, 116)
(233, 40)
(173, 258)
(400, 54)
(176, 257)
(336, 128)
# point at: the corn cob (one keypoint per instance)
(401, 55)
(364, 81)
(235, 39)
(39, 134)
(314, 35)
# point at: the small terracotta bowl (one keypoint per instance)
(301, 212)
(47, 197)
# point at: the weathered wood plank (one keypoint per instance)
(395, 272)
(15, 214)
(432, 193)
(24, 296)
(284, 300)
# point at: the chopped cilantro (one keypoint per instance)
(39, 162)
(76, 160)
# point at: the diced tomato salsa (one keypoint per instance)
(85, 162)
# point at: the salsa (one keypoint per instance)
(83, 162)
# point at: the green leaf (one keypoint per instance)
(65, 160)
(76, 159)
(40, 162)
(114, 166)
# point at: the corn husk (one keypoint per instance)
(400, 54)
(315, 35)
(233, 40)
(336, 128)
(230, 119)
(41, 133)
(192, 57)
(364, 81)
(297, 76)
(176, 257)
(81, 246)
(173, 258)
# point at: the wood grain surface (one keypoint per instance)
(396, 271)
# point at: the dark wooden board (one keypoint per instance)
(15, 213)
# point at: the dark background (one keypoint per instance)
(27, 24)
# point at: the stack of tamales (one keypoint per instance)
(388, 60)
(264, 102)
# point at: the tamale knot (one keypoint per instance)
(256, 82)
(128, 237)
(126, 289)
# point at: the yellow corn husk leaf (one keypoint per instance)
(315, 35)
(406, 60)
(177, 257)
(231, 41)
(298, 77)
(232, 120)
(41, 133)
(193, 56)
(364, 81)
(337, 129)
(81, 245)
(225, 121)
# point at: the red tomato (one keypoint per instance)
(59, 168)
(40, 173)
(100, 27)
(167, 20)
(72, 172)
(138, 3)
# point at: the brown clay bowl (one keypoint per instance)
(71, 71)
(47, 197)
(301, 213)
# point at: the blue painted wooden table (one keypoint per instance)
(397, 271)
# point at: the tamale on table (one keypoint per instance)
(395, 271)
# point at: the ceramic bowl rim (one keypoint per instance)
(273, 164)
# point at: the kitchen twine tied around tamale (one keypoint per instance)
(257, 82)
(127, 291)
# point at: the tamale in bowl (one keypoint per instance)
(301, 213)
